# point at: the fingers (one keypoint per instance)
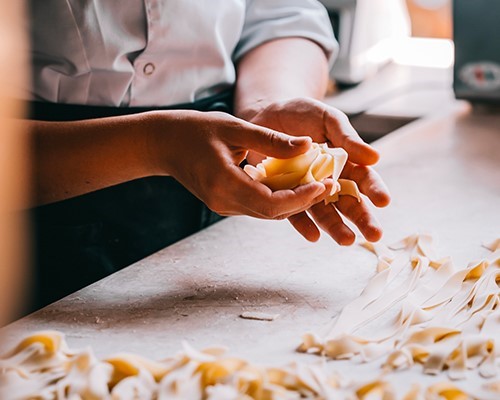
(322, 122)
(254, 158)
(341, 134)
(329, 220)
(305, 226)
(236, 193)
(328, 183)
(272, 143)
(359, 214)
(239, 194)
(301, 198)
(369, 182)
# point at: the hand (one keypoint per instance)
(323, 123)
(203, 152)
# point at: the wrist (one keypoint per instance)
(249, 110)
(156, 129)
(166, 133)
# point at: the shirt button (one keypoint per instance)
(148, 69)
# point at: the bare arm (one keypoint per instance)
(201, 150)
(73, 158)
(278, 86)
(281, 69)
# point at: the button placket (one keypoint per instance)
(153, 18)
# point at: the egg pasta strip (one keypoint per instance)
(446, 319)
(318, 163)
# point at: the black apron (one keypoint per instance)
(81, 240)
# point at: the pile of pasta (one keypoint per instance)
(318, 163)
(422, 310)
(43, 367)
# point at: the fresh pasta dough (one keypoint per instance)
(43, 367)
(318, 163)
(447, 320)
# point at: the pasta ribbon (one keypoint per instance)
(318, 163)
(446, 320)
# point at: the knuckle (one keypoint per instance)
(363, 223)
(333, 226)
(336, 114)
(330, 121)
(360, 173)
(272, 136)
(220, 115)
(361, 168)
(351, 209)
(227, 121)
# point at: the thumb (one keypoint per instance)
(272, 143)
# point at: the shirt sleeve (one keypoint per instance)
(266, 20)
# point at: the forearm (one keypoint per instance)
(73, 158)
(281, 69)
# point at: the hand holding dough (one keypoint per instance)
(318, 163)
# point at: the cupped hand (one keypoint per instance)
(309, 117)
(203, 151)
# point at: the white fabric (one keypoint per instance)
(156, 52)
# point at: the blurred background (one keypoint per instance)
(14, 161)
(430, 18)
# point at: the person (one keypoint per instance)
(143, 113)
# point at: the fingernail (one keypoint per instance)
(299, 141)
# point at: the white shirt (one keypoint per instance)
(156, 52)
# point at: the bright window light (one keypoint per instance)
(424, 52)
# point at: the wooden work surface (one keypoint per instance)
(444, 175)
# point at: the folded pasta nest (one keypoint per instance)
(315, 165)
